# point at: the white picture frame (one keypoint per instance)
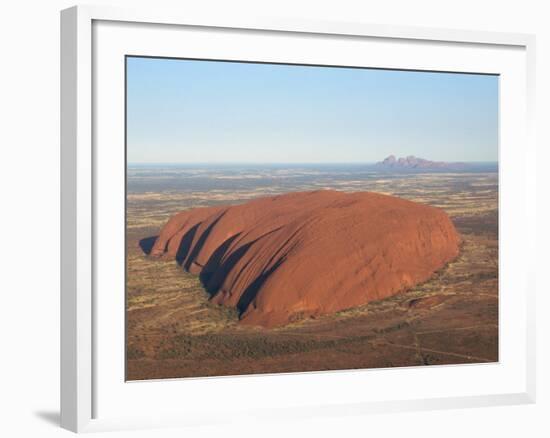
(81, 169)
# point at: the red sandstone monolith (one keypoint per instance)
(303, 254)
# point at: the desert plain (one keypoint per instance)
(174, 330)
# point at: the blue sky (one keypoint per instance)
(183, 111)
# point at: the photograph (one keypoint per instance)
(288, 218)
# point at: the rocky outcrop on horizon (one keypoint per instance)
(304, 254)
(412, 162)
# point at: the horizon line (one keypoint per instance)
(287, 162)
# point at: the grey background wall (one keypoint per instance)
(29, 213)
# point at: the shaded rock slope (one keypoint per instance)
(281, 258)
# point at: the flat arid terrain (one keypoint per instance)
(174, 329)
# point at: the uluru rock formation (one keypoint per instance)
(305, 254)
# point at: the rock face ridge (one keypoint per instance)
(303, 254)
(412, 162)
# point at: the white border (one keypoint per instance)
(112, 41)
(76, 335)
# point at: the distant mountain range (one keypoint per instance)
(414, 163)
